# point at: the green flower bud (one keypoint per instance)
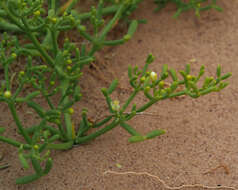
(189, 77)
(7, 94)
(71, 110)
(161, 84)
(44, 67)
(53, 20)
(21, 73)
(147, 89)
(69, 61)
(163, 92)
(36, 147)
(142, 79)
(147, 73)
(69, 68)
(127, 37)
(52, 83)
(37, 13)
(14, 55)
(150, 58)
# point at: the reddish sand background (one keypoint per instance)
(201, 143)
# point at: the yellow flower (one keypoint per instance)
(115, 105)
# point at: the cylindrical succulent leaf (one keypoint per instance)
(27, 179)
(132, 27)
(173, 74)
(48, 166)
(154, 133)
(226, 76)
(135, 139)
(23, 161)
(218, 71)
(112, 87)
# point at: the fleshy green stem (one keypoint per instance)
(18, 123)
(37, 43)
(129, 101)
(11, 16)
(112, 22)
(13, 142)
(92, 136)
(67, 116)
(54, 41)
(62, 146)
(6, 76)
(105, 11)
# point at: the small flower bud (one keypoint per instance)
(14, 55)
(142, 79)
(147, 73)
(65, 52)
(147, 89)
(189, 77)
(37, 13)
(127, 37)
(161, 84)
(163, 92)
(71, 110)
(7, 94)
(53, 20)
(69, 68)
(36, 147)
(153, 76)
(52, 83)
(69, 61)
(21, 73)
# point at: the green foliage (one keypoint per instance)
(196, 5)
(53, 70)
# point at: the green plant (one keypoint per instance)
(53, 71)
(191, 4)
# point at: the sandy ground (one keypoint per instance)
(200, 146)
